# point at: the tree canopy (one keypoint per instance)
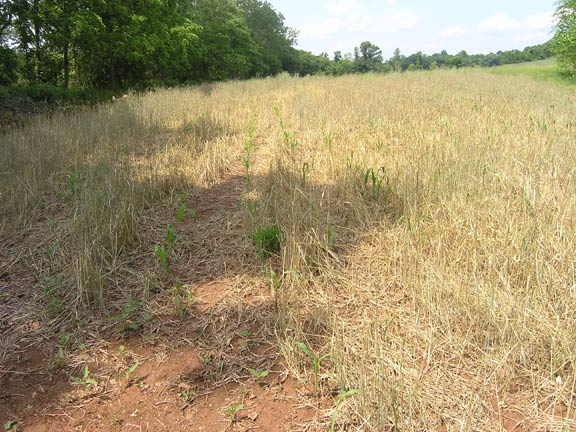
(141, 43)
(565, 37)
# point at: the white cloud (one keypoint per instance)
(342, 7)
(454, 31)
(386, 23)
(501, 22)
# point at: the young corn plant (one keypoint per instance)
(315, 361)
(162, 252)
(183, 210)
(247, 159)
(377, 182)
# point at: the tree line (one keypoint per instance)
(123, 43)
(143, 43)
(368, 58)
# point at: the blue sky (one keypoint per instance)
(418, 25)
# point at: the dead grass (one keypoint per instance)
(442, 287)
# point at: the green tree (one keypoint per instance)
(368, 57)
(565, 37)
(268, 30)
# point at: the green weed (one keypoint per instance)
(11, 426)
(267, 241)
(341, 399)
(233, 409)
(258, 374)
(249, 147)
(85, 380)
(125, 318)
(183, 299)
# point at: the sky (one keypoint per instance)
(429, 26)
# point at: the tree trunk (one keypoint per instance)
(66, 66)
(37, 27)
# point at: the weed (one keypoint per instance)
(54, 292)
(331, 241)
(11, 426)
(125, 318)
(183, 299)
(289, 140)
(316, 362)
(58, 362)
(246, 159)
(131, 370)
(267, 241)
(305, 171)
(233, 409)
(258, 374)
(85, 380)
(343, 396)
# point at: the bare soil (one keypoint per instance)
(185, 371)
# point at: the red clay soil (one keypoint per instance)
(184, 373)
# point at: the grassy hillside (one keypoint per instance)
(544, 70)
(416, 229)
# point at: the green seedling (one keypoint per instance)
(233, 409)
(11, 426)
(130, 307)
(161, 254)
(184, 211)
(54, 291)
(305, 171)
(330, 236)
(58, 362)
(246, 160)
(377, 181)
(170, 236)
(131, 370)
(73, 184)
(267, 241)
(276, 280)
(64, 340)
(258, 374)
(289, 140)
(183, 298)
(341, 399)
(316, 362)
(85, 380)
(245, 333)
(217, 371)
(185, 393)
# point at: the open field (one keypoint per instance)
(414, 266)
(543, 70)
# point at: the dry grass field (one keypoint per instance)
(425, 277)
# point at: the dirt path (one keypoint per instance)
(204, 358)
